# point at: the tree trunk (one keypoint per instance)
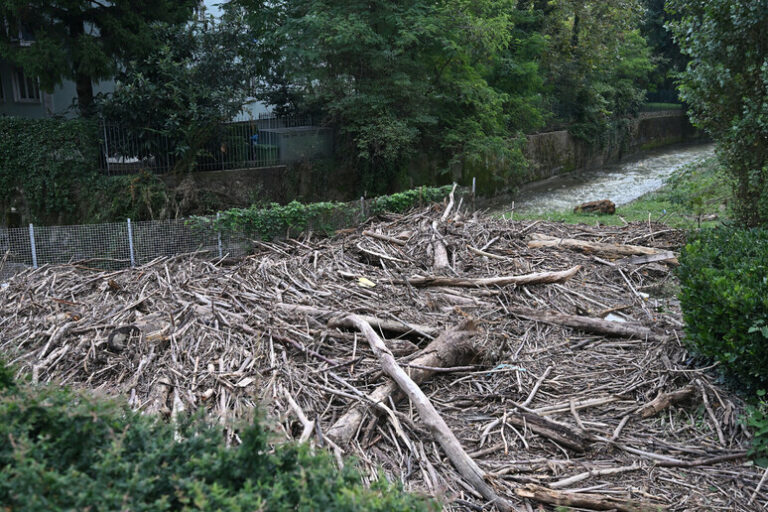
(83, 82)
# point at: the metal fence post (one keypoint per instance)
(32, 245)
(474, 181)
(130, 243)
(218, 234)
(362, 207)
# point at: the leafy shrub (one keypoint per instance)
(63, 450)
(724, 297)
(275, 220)
(46, 165)
(757, 420)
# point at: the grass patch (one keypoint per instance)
(688, 200)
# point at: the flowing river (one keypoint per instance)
(621, 182)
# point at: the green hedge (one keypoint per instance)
(44, 164)
(724, 278)
(62, 450)
(275, 220)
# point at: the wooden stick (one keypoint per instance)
(557, 432)
(565, 482)
(337, 319)
(701, 462)
(663, 401)
(385, 238)
(535, 278)
(614, 250)
(463, 463)
(536, 387)
(450, 204)
(583, 500)
(590, 324)
(665, 256)
(450, 348)
(309, 425)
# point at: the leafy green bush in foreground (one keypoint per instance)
(63, 450)
(724, 297)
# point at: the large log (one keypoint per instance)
(584, 500)
(468, 282)
(613, 250)
(590, 324)
(463, 463)
(338, 319)
(561, 434)
(664, 400)
(449, 349)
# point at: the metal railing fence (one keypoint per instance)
(227, 146)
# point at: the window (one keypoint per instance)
(25, 89)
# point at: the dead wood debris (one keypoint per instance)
(539, 390)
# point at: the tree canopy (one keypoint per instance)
(726, 87)
(453, 78)
(82, 40)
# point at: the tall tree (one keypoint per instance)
(398, 78)
(597, 63)
(82, 40)
(726, 88)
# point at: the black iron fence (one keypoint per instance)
(233, 145)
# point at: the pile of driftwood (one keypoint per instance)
(486, 362)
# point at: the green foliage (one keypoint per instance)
(275, 221)
(757, 420)
(173, 101)
(82, 40)
(724, 86)
(452, 78)
(724, 277)
(64, 450)
(598, 64)
(141, 196)
(45, 167)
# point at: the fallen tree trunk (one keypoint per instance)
(584, 500)
(664, 400)
(463, 463)
(451, 348)
(614, 250)
(561, 434)
(467, 282)
(590, 324)
(663, 256)
(338, 319)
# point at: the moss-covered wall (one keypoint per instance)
(553, 153)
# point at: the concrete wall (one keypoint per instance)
(553, 153)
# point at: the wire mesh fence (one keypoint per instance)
(116, 245)
(242, 144)
(112, 245)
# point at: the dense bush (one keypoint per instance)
(44, 165)
(274, 220)
(724, 297)
(63, 450)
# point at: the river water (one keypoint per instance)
(621, 182)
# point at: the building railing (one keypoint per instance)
(233, 145)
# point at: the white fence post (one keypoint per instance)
(362, 207)
(32, 245)
(130, 243)
(218, 234)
